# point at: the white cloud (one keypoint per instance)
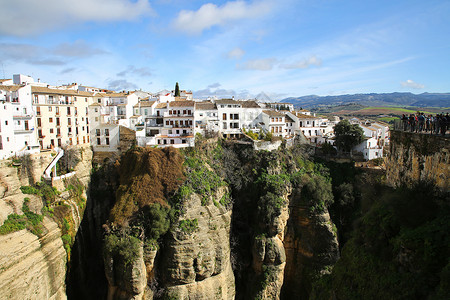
(132, 70)
(236, 53)
(209, 15)
(214, 85)
(121, 84)
(304, 64)
(412, 84)
(264, 64)
(78, 48)
(26, 17)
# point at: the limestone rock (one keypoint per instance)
(197, 264)
(32, 267)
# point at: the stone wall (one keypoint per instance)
(416, 158)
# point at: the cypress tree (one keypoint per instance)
(177, 90)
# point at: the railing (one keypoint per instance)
(433, 127)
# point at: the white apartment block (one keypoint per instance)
(61, 116)
(206, 117)
(274, 122)
(178, 124)
(230, 116)
(17, 121)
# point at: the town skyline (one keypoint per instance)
(231, 48)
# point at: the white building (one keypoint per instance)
(229, 111)
(17, 121)
(274, 122)
(369, 148)
(206, 117)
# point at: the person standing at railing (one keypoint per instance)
(421, 121)
(405, 122)
(412, 122)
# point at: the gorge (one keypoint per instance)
(223, 221)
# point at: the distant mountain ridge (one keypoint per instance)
(374, 99)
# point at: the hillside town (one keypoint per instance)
(36, 116)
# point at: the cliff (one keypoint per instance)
(33, 267)
(33, 261)
(219, 221)
(418, 157)
(398, 246)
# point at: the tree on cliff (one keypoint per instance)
(347, 135)
(177, 90)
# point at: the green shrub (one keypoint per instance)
(30, 190)
(188, 226)
(124, 248)
(13, 223)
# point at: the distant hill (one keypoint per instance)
(388, 99)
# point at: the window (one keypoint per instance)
(183, 141)
(68, 111)
(39, 124)
(97, 132)
(107, 141)
(49, 108)
(57, 110)
(69, 121)
(51, 130)
(224, 116)
(58, 131)
(40, 133)
(107, 132)
(57, 122)
(224, 125)
(172, 142)
(50, 120)
(59, 142)
(98, 141)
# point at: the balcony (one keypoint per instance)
(166, 114)
(23, 117)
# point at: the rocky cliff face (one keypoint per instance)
(33, 265)
(250, 224)
(193, 263)
(418, 157)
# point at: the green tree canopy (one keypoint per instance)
(348, 135)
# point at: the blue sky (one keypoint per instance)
(280, 47)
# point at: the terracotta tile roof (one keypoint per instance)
(226, 101)
(118, 95)
(46, 90)
(205, 105)
(144, 104)
(303, 116)
(11, 88)
(161, 105)
(273, 113)
(249, 104)
(3, 80)
(181, 103)
(289, 119)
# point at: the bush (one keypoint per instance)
(30, 190)
(188, 226)
(14, 223)
(124, 248)
(154, 220)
